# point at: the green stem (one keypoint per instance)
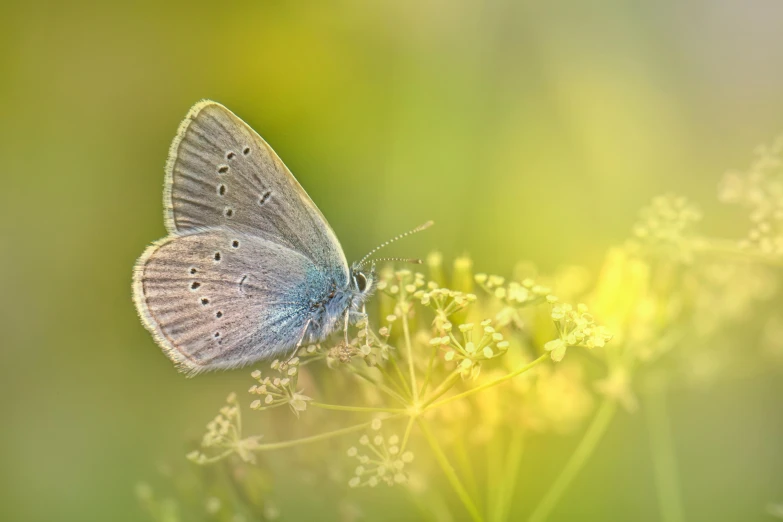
(466, 467)
(407, 435)
(401, 389)
(409, 352)
(442, 388)
(355, 408)
(492, 383)
(380, 386)
(448, 469)
(730, 248)
(400, 375)
(216, 458)
(494, 465)
(663, 457)
(430, 364)
(316, 438)
(577, 461)
(513, 464)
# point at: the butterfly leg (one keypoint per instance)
(299, 343)
(345, 326)
(366, 324)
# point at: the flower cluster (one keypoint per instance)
(575, 328)
(224, 434)
(401, 286)
(381, 459)
(280, 390)
(760, 189)
(444, 303)
(469, 352)
(514, 296)
(665, 227)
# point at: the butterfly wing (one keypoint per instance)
(220, 299)
(221, 173)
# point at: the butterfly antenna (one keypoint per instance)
(425, 226)
(413, 261)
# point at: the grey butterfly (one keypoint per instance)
(250, 269)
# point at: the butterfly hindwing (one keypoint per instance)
(222, 299)
(221, 173)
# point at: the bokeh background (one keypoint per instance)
(526, 130)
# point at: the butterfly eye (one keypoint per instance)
(361, 281)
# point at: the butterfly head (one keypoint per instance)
(363, 281)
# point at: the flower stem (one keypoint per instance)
(401, 389)
(380, 386)
(216, 458)
(407, 435)
(409, 352)
(494, 461)
(355, 408)
(316, 438)
(509, 484)
(442, 388)
(401, 376)
(518, 371)
(451, 475)
(577, 461)
(727, 248)
(663, 457)
(430, 364)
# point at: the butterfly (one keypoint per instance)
(251, 269)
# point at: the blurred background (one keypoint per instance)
(526, 130)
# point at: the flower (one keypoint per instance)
(467, 350)
(576, 328)
(665, 228)
(513, 297)
(445, 303)
(279, 390)
(224, 435)
(381, 459)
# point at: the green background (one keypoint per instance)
(525, 131)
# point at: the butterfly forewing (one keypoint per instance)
(220, 298)
(221, 173)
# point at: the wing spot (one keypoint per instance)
(217, 334)
(223, 169)
(246, 151)
(217, 257)
(193, 270)
(195, 285)
(204, 301)
(221, 190)
(264, 197)
(230, 155)
(229, 212)
(235, 244)
(219, 314)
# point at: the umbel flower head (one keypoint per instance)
(381, 459)
(760, 190)
(665, 227)
(444, 303)
(469, 350)
(279, 390)
(576, 328)
(224, 437)
(512, 296)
